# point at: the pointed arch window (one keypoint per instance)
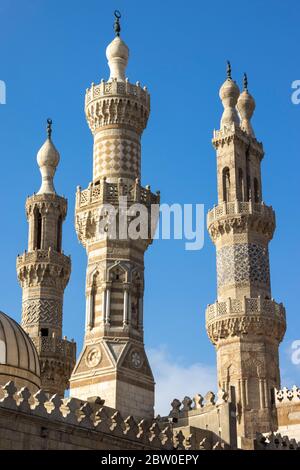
(38, 230)
(59, 234)
(241, 188)
(226, 184)
(256, 190)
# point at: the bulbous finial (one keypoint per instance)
(48, 159)
(229, 93)
(117, 26)
(117, 53)
(246, 107)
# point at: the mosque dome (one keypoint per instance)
(19, 360)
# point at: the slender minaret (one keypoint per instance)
(43, 273)
(113, 363)
(246, 325)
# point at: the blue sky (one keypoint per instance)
(51, 50)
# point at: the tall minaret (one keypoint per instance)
(43, 273)
(113, 363)
(246, 325)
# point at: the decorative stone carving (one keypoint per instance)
(93, 357)
(243, 264)
(41, 311)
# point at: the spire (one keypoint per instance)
(117, 53)
(229, 93)
(48, 159)
(117, 26)
(228, 70)
(246, 107)
(245, 82)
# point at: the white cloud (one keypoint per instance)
(176, 380)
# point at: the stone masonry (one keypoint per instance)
(245, 324)
(43, 273)
(113, 362)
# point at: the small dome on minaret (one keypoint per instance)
(229, 93)
(117, 53)
(246, 107)
(48, 159)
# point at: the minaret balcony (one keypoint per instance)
(235, 317)
(110, 193)
(43, 267)
(117, 103)
(116, 88)
(55, 346)
(43, 256)
(241, 216)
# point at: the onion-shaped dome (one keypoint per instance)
(117, 54)
(229, 93)
(48, 159)
(19, 360)
(246, 107)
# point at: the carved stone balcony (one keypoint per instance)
(47, 267)
(113, 102)
(236, 317)
(240, 216)
(110, 193)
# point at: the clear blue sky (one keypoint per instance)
(51, 50)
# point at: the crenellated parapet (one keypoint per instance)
(286, 396)
(72, 415)
(275, 441)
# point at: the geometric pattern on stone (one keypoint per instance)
(116, 156)
(243, 263)
(44, 311)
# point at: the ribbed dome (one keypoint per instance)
(19, 360)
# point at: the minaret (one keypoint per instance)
(113, 363)
(43, 273)
(245, 324)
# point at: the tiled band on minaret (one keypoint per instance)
(246, 325)
(113, 363)
(43, 273)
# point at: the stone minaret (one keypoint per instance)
(245, 324)
(113, 363)
(43, 273)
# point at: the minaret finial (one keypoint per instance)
(245, 82)
(49, 128)
(117, 26)
(228, 70)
